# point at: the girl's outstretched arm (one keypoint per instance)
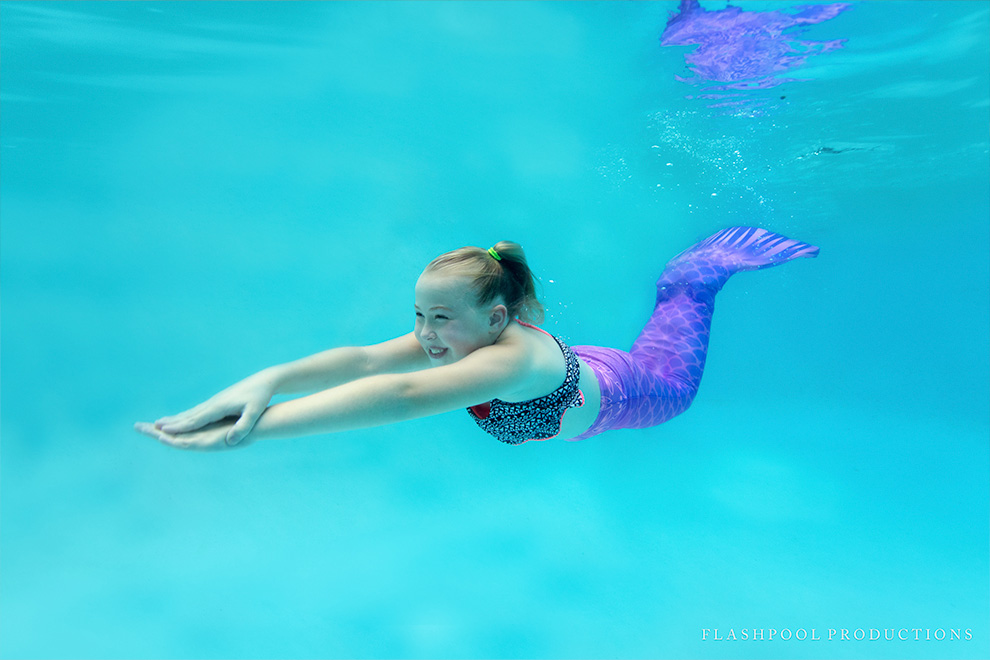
(490, 372)
(246, 400)
(342, 365)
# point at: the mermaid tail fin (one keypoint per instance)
(712, 261)
(674, 342)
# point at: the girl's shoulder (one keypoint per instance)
(542, 357)
(530, 338)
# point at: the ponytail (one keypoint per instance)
(503, 275)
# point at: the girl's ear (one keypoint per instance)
(498, 318)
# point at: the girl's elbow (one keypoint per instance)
(398, 399)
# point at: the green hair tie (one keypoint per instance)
(494, 254)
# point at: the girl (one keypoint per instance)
(474, 346)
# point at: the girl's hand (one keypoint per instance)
(212, 437)
(245, 400)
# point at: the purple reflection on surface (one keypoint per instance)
(745, 49)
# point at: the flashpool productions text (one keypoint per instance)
(836, 634)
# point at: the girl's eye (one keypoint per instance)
(440, 316)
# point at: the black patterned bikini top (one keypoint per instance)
(536, 419)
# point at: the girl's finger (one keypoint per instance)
(182, 416)
(180, 426)
(151, 431)
(193, 422)
(244, 425)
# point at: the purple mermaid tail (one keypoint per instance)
(659, 376)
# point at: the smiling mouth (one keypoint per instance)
(436, 353)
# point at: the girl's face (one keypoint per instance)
(449, 325)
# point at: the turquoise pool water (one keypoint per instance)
(194, 191)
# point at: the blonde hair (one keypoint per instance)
(508, 278)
